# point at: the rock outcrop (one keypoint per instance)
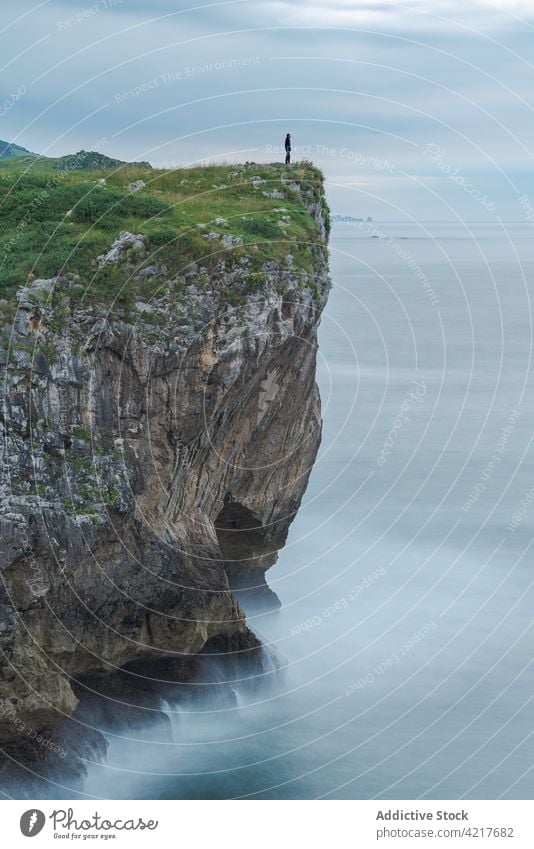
(150, 466)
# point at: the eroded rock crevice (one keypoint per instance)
(249, 549)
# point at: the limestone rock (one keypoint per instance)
(127, 244)
(276, 194)
(136, 186)
(231, 241)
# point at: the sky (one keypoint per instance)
(414, 110)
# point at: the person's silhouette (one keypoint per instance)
(288, 149)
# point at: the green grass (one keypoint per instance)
(58, 221)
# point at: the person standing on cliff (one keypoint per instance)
(288, 149)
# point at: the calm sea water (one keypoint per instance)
(406, 583)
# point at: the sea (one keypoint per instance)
(404, 640)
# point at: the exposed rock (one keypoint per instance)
(127, 244)
(276, 194)
(231, 241)
(137, 186)
(88, 160)
(152, 271)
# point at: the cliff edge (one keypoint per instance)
(159, 418)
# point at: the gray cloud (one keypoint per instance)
(364, 87)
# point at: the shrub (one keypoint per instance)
(108, 208)
(256, 281)
(261, 225)
(163, 237)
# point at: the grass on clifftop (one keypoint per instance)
(57, 221)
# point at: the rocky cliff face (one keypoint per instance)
(150, 467)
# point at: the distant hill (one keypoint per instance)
(7, 150)
(84, 160)
(91, 160)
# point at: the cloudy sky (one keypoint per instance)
(411, 108)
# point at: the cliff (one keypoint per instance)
(160, 418)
